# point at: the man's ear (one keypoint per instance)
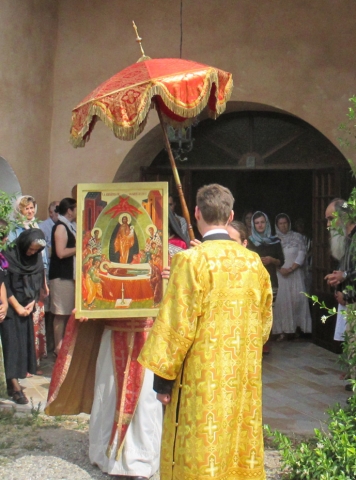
(231, 217)
(197, 213)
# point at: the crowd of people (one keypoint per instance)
(28, 265)
(201, 357)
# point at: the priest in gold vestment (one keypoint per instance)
(205, 349)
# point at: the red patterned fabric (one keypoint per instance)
(39, 327)
(128, 338)
(64, 358)
(183, 88)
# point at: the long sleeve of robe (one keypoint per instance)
(208, 337)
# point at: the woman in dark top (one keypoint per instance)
(26, 278)
(62, 267)
(268, 247)
(3, 271)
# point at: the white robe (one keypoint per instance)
(140, 455)
(291, 309)
(340, 326)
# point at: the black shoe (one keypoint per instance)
(19, 397)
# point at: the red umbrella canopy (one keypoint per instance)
(181, 88)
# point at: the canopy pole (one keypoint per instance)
(175, 174)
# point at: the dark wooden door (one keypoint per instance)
(328, 183)
(326, 187)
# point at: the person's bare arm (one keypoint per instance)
(44, 289)
(61, 239)
(270, 260)
(4, 305)
(287, 271)
(45, 284)
(19, 309)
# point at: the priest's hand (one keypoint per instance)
(166, 272)
(340, 298)
(164, 398)
(335, 278)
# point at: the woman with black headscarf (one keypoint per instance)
(26, 278)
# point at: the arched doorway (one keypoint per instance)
(8, 180)
(272, 162)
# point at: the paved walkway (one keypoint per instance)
(300, 381)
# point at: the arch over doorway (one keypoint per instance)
(151, 143)
(261, 155)
(271, 161)
(8, 180)
(145, 150)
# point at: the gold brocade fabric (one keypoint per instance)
(181, 88)
(213, 321)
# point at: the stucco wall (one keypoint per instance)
(28, 37)
(292, 55)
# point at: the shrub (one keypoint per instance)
(329, 455)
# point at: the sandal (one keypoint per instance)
(11, 391)
(19, 397)
(29, 375)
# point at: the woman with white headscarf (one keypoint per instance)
(268, 248)
(292, 308)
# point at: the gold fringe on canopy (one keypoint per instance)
(125, 110)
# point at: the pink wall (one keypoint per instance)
(28, 38)
(286, 54)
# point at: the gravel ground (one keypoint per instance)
(36, 448)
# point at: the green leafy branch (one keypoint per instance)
(7, 201)
(323, 306)
(348, 140)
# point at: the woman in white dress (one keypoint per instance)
(292, 308)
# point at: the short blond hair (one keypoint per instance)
(25, 201)
(215, 203)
